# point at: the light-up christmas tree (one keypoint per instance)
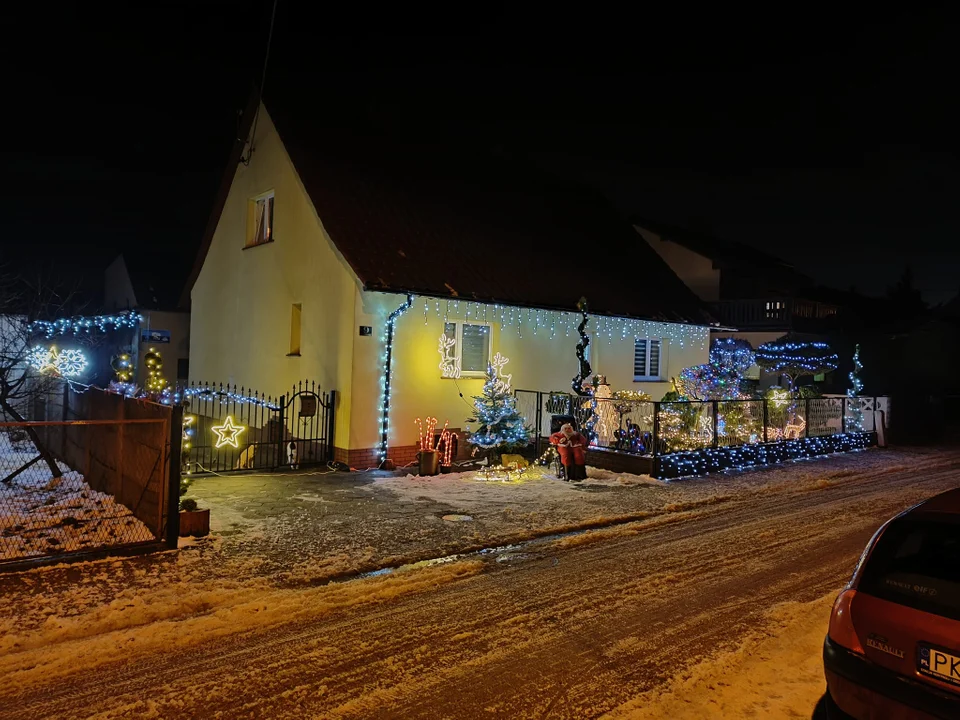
(854, 421)
(156, 382)
(501, 428)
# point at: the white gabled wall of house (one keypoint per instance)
(242, 301)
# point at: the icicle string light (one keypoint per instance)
(81, 325)
(553, 321)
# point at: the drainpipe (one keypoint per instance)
(389, 331)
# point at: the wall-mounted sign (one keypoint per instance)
(155, 336)
(366, 330)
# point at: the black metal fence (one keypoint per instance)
(230, 428)
(646, 427)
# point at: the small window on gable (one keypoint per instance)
(646, 359)
(469, 354)
(260, 220)
(295, 329)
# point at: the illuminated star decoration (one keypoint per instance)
(227, 433)
(66, 363)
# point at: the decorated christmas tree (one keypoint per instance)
(500, 427)
(854, 421)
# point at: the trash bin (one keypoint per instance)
(429, 462)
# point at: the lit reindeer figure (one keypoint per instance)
(449, 362)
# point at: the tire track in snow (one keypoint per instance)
(572, 638)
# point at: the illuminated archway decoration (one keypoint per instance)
(228, 433)
(65, 363)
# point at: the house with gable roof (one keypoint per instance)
(393, 273)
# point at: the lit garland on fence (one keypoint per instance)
(66, 363)
(389, 329)
(709, 460)
(176, 396)
(554, 321)
(81, 325)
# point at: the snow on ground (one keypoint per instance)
(466, 490)
(43, 516)
(777, 673)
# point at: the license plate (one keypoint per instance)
(939, 664)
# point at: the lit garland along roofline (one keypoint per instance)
(83, 325)
(707, 320)
(603, 325)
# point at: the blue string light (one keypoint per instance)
(712, 460)
(386, 375)
(81, 325)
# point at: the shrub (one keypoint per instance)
(188, 505)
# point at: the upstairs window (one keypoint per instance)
(260, 221)
(646, 359)
(469, 351)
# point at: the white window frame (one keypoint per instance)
(253, 239)
(648, 377)
(458, 354)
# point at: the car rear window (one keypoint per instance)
(917, 563)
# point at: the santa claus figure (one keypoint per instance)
(571, 445)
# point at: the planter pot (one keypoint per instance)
(429, 462)
(195, 523)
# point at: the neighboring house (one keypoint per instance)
(152, 292)
(322, 236)
(754, 295)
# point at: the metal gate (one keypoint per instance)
(227, 428)
(308, 426)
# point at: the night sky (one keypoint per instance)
(832, 145)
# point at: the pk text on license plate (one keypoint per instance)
(939, 664)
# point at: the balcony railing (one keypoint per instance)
(772, 313)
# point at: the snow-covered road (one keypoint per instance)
(622, 620)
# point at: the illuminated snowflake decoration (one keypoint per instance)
(65, 363)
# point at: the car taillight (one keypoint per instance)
(841, 623)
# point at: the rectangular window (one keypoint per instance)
(295, 329)
(646, 359)
(260, 221)
(470, 349)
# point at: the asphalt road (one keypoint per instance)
(564, 629)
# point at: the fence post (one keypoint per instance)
(656, 428)
(539, 424)
(281, 430)
(806, 417)
(175, 437)
(843, 415)
(331, 424)
(716, 423)
(766, 419)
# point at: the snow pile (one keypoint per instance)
(778, 673)
(40, 515)
(467, 490)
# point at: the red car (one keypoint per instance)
(893, 648)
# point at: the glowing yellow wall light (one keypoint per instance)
(228, 433)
